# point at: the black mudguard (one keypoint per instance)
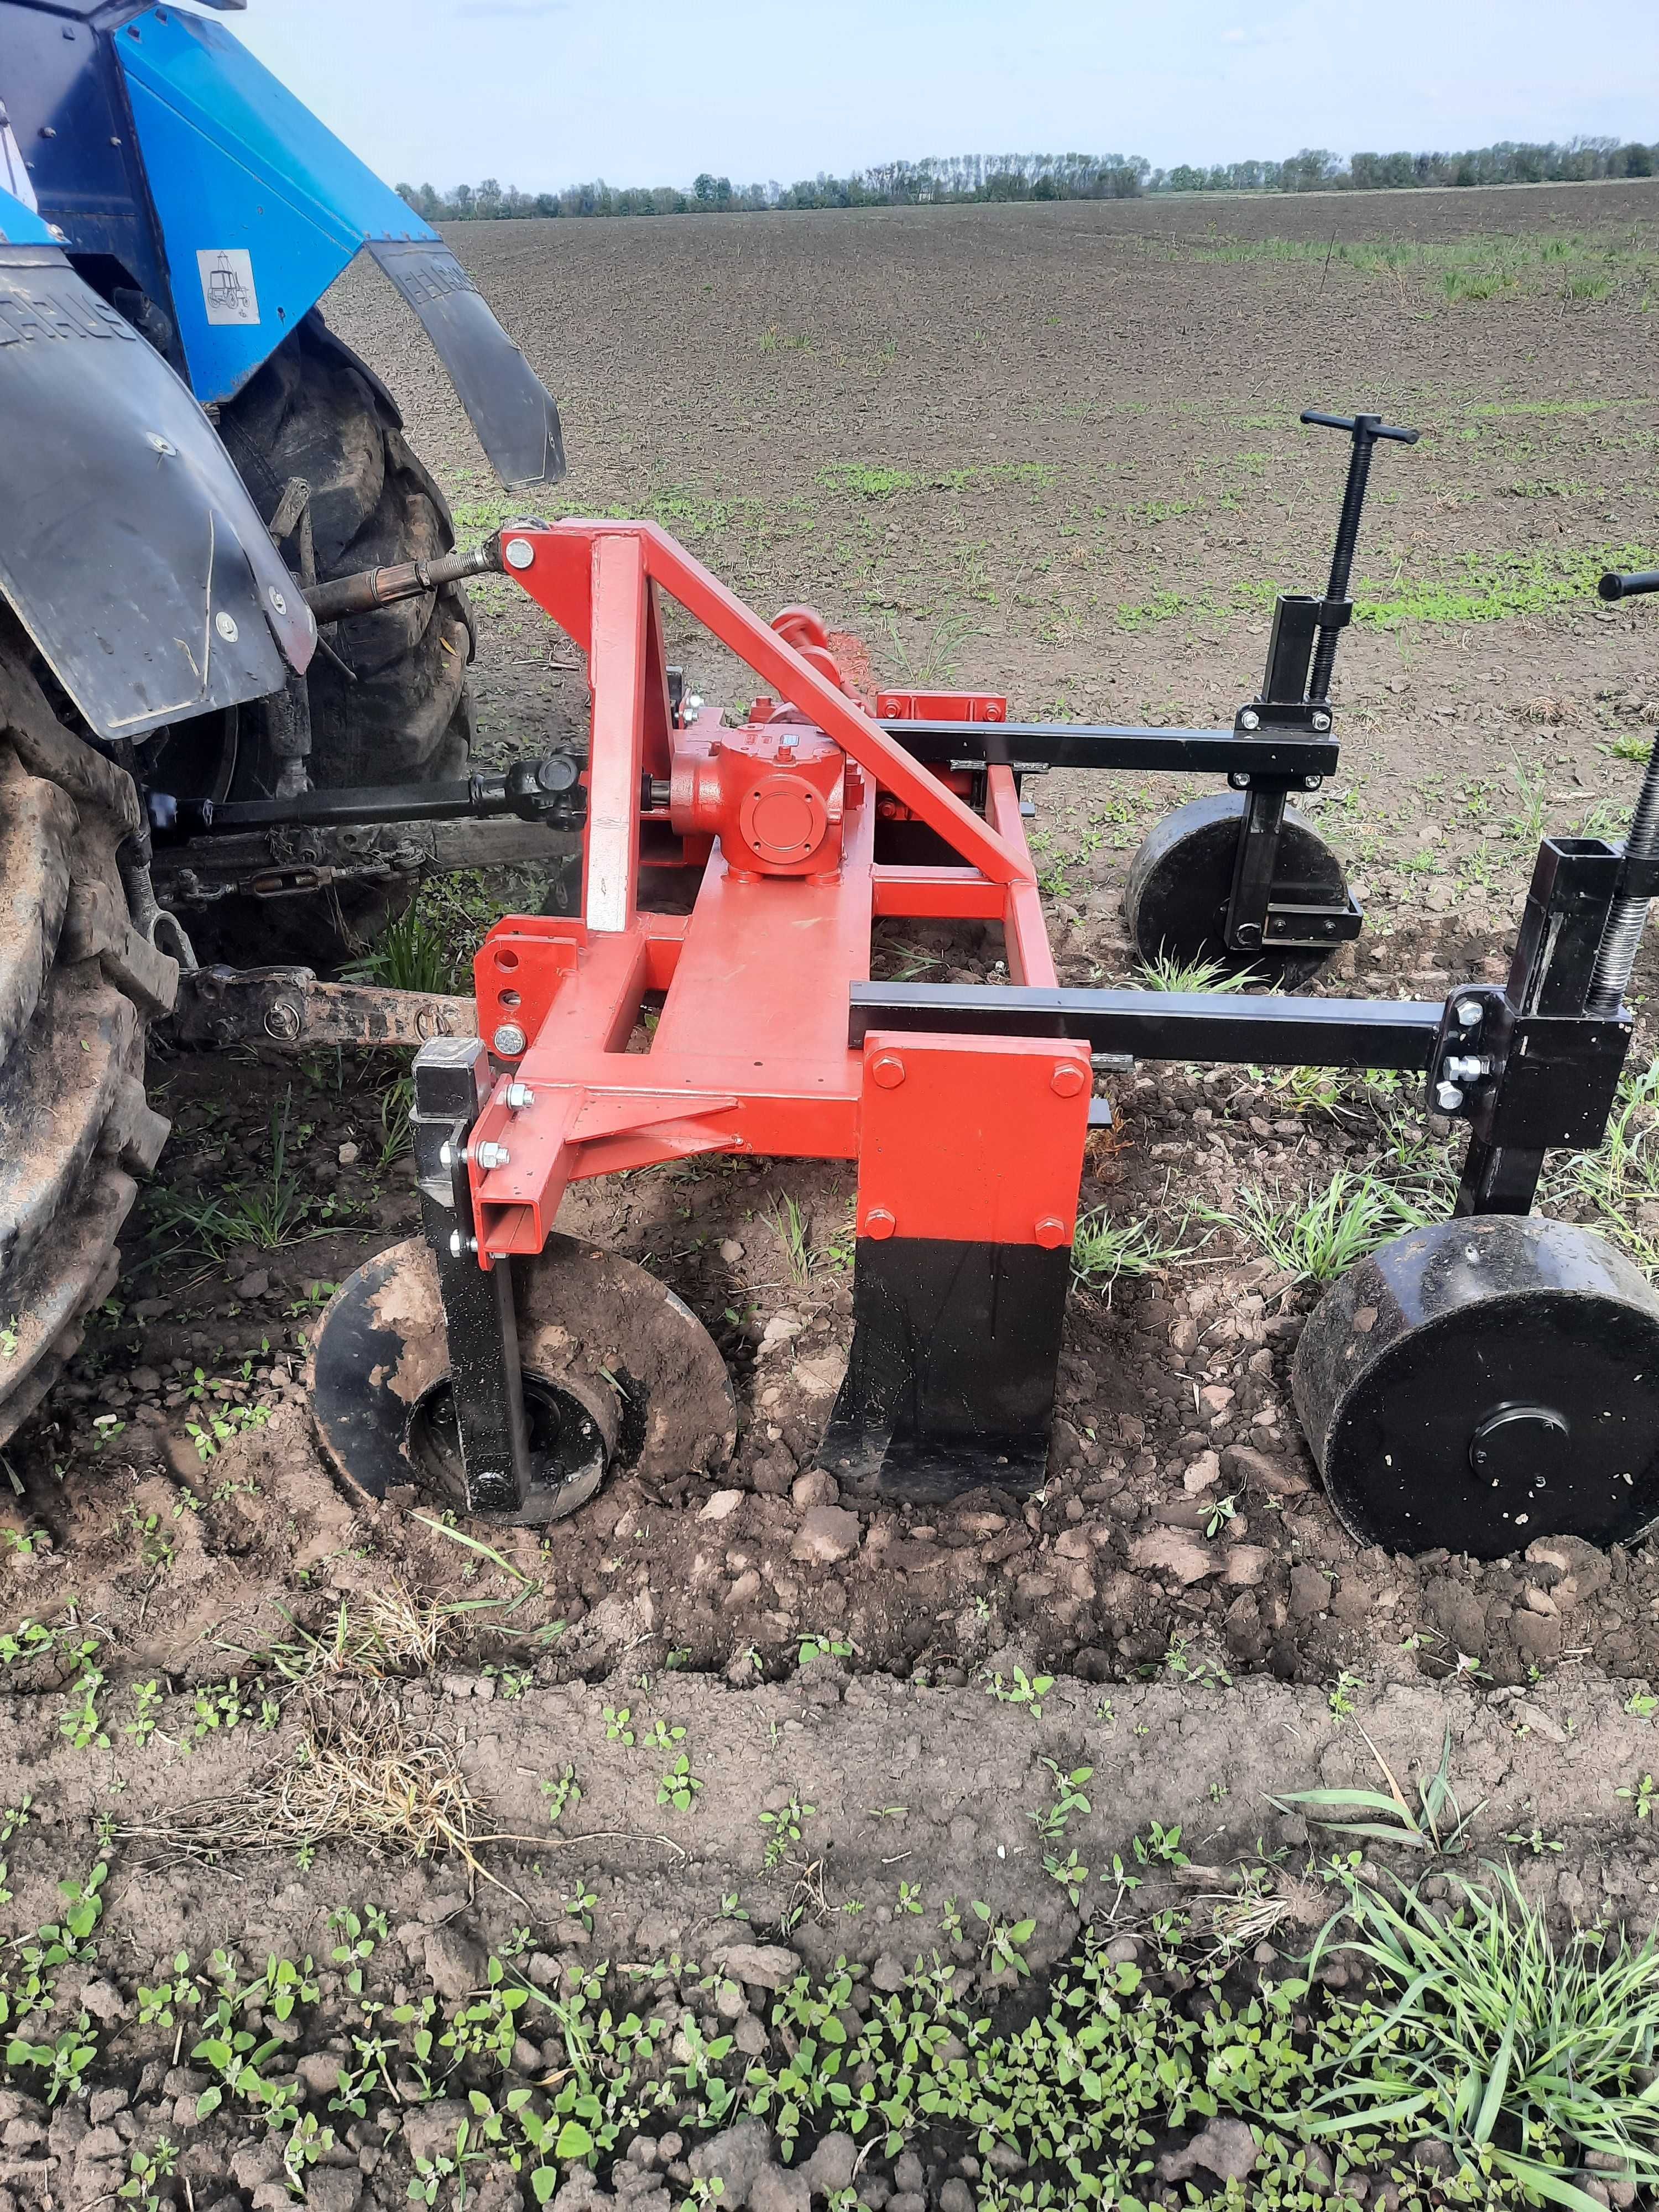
(517, 423)
(130, 548)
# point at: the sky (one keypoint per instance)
(543, 93)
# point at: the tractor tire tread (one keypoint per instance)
(77, 987)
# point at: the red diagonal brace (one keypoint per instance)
(563, 585)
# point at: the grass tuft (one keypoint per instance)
(1436, 1823)
(411, 954)
(1511, 2048)
(1167, 971)
(1322, 1239)
(1102, 1249)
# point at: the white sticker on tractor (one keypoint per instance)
(227, 285)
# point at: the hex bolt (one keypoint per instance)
(879, 1222)
(887, 1069)
(1250, 720)
(1448, 1097)
(1051, 1232)
(279, 604)
(518, 1096)
(1067, 1079)
(459, 1245)
(491, 1156)
(508, 1041)
(1469, 1011)
(1312, 782)
(445, 1154)
(1466, 1067)
(1321, 720)
(518, 553)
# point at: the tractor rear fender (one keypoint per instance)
(130, 548)
(261, 206)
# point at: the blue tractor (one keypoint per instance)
(192, 466)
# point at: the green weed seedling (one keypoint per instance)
(1180, 1666)
(1534, 1840)
(679, 1786)
(562, 1796)
(146, 2170)
(1070, 1872)
(161, 2004)
(79, 1723)
(1643, 1796)
(1628, 746)
(1222, 1511)
(1341, 1700)
(822, 1646)
(1024, 1690)
(1159, 1846)
(1051, 1822)
(511, 1682)
(359, 1935)
(14, 1817)
(1002, 1941)
(784, 1828)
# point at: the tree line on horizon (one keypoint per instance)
(961, 180)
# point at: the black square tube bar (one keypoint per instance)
(1106, 744)
(1192, 1025)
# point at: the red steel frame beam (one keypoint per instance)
(750, 1052)
(553, 576)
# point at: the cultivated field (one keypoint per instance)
(1052, 451)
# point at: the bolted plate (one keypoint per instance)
(1482, 1381)
(1182, 876)
(618, 1372)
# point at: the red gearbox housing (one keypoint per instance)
(773, 793)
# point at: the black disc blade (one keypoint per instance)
(617, 1372)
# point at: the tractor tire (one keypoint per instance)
(398, 711)
(78, 986)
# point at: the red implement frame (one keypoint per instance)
(751, 1052)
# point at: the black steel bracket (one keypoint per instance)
(452, 1078)
(1638, 876)
(1312, 928)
